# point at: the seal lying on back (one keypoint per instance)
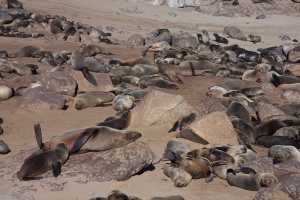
(95, 138)
(42, 162)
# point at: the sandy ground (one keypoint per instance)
(18, 123)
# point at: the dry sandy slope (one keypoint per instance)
(18, 123)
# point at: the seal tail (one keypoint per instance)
(38, 135)
(192, 68)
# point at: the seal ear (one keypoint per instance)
(38, 135)
(56, 169)
(83, 138)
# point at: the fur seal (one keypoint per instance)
(286, 154)
(220, 168)
(268, 128)
(249, 56)
(27, 51)
(123, 102)
(238, 108)
(14, 4)
(212, 154)
(133, 80)
(178, 147)
(252, 75)
(197, 168)
(290, 109)
(184, 121)
(5, 92)
(56, 26)
(244, 158)
(179, 176)
(242, 126)
(229, 149)
(220, 39)
(93, 50)
(121, 121)
(92, 99)
(43, 162)
(254, 38)
(252, 91)
(4, 149)
(270, 140)
(161, 83)
(138, 94)
(251, 182)
(289, 132)
(95, 138)
(85, 64)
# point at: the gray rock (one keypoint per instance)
(59, 82)
(131, 9)
(159, 108)
(234, 32)
(287, 188)
(265, 165)
(203, 2)
(5, 17)
(209, 105)
(15, 196)
(39, 98)
(175, 3)
(184, 41)
(162, 37)
(212, 128)
(101, 82)
(266, 110)
(136, 40)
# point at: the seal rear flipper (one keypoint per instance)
(88, 76)
(275, 80)
(174, 128)
(38, 135)
(56, 169)
(210, 178)
(82, 139)
(192, 68)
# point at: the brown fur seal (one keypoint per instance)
(220, 168)
(197, 168)
(4, 149)
(92, 99)
(179, 176)
(243, 127)
(286, 154)
(238, 108)
(251, 182)
(85, 64)
(289, 132)
(229, 149)
(270, 140)
(131, 80)
(43, 162)
(27, 51)
(178, 147)
(161, 83)
(244, 158)
(123, 102)
(121, 121)
(252, 75)
(93, 50)
(95, 138)
(212, 154)
(184, 121)
(5, 92)
(268, 128)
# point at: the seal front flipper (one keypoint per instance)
(56, 169)
(174, 128)
(88, 76)
(38, 135)
(82, 139)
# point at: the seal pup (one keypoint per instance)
(56, 26)
(254, 38)
(244, 158)
(197, 168)
(43, 162)
(92, 99)
(4, 149)
(93, 50)
(184, 121)
(179, 176)
(123, 102)
(238, 108)
(178, 147)
(242, 126)
(121, 121)
(27, 51)
(252, 182)
(95, 138)
(286, 154)
(252, 75)
(220, 39)
(219, 168)
(5, 92)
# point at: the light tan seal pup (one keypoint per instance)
(27, 51)
(92, 99)
(123, 102)
(252, 182)
(43, 162)
(5, 92)
(95, 138)
(179, 176)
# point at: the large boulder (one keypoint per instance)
(184, 41)
(265, 165)
(59, 82)
(175, 3)
(101, 81)
(234, 32)
(38, 97)
(159, 108)
(136, 40)
(212, 128)
(288, 188)
(266, 110)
